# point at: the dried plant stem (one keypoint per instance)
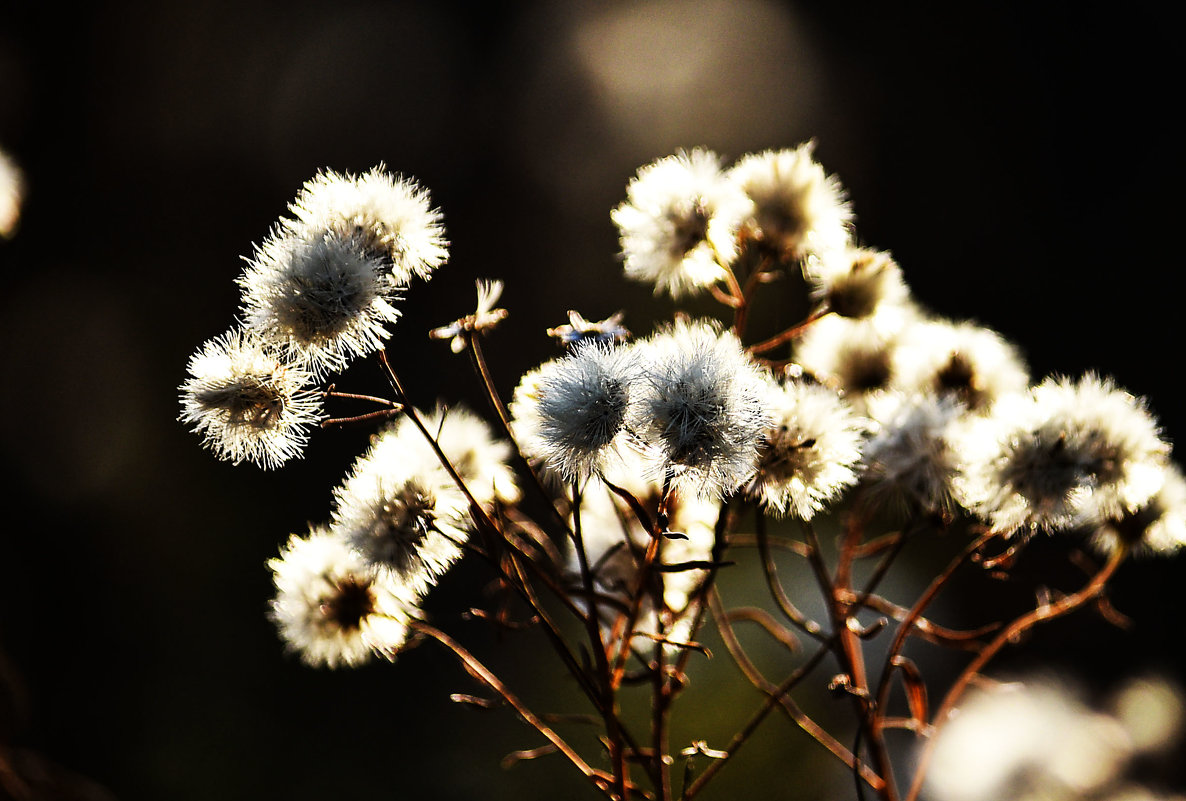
(744, 733)
(480, 517)
(915, 614)
(847, 647)
(478, 357)
(800, 718)
(479, 671)
(1010, 634)
(770, 570)
(788, 334)
(608, 705)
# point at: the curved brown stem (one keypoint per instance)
(788, 334)
(1021, 625)
(801, 719)
(770, 570)
(479, 671)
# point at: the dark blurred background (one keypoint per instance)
(1021, 164)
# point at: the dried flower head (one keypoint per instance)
(322, 301)
(911, 461)
(1062, 455)
(388, 214)
(678, 225)
(332, 608)
(857, 282)
(811, 452)
(854, 357)
(401, 512)
(579, 329)
(486, 316)
(972, 364)
(798, 209)
(481, 460)
(1157, 528)
(583, 403)
(246, 402)
(700, 406)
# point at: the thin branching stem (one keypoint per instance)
(478, 357)
(1041, 614)
(479, 671)
(755, 677)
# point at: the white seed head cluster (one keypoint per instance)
(324, 300)
(1063, 455)
(390, 215)
(247, 404)
(401, 512)
(679, 223)
(798, 209)
(811, 452)
(583, 404)
(333, 608)
(701, 406)
(317, 293)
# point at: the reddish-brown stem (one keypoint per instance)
(769, 569)
(788, 334)
(926, 629)
(593, 631)
(800, 718)
(1020, 626)
(479, 671)
(382, 414)
(642, 585)
(333, 393)
(848, 646)
(728, 299)
(916, 612)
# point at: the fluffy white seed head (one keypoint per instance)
(332, 608)
(247, 403)
(480, 459)
(391, 215)
(911, 460)
(857, 358)
(811, 452)
(972, 364)
(798, 209)
(1065, 454)
(700, 406)
(1156, 529)
(1031, 741)
(679, 222)
(401, 513)
(322, 301)
(857, 282)
(583, 404)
